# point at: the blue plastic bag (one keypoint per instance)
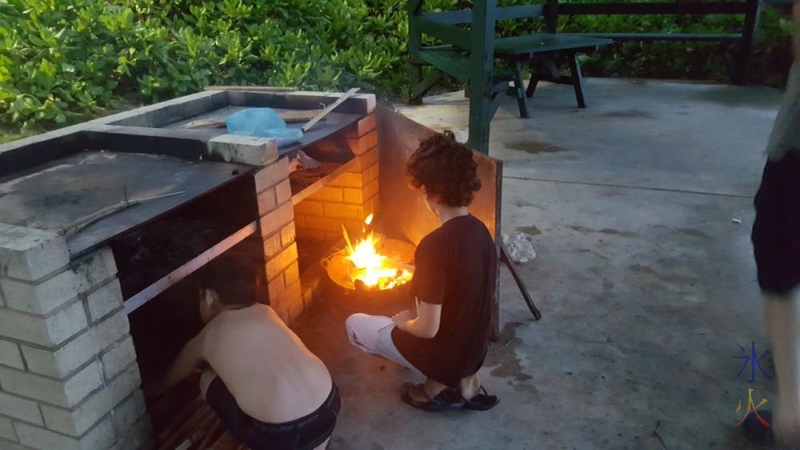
(262, 122)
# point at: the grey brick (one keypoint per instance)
(120, 356)
(10, 355)
(63, 361)
(100, 438)
(49, 331)
(76, 421)
(254, 151)
(7, 430)
(104, 300)
(66, 393)
(127, 413)
(29, 254)
(20, 408)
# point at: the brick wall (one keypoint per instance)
(68, 372)
(350, 197)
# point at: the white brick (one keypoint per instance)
(140, 436)
(7, 430)
(100, 438)
(49, 331)
(127, 413)
(60, 363)
(40, 298)
(120, 356)
(104, 300)
(63, 393)
(30, 254)
(254, 151)
(10, 355)
(95, 268)
(75, 422)
(8, 445)
(21, 409)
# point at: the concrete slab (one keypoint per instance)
(646, 285)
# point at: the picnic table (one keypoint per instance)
(541, 52)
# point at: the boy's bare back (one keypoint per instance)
(268, 370)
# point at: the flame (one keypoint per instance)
(374, 269)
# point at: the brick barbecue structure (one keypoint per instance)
(83, 302)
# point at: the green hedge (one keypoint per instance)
(65, 60)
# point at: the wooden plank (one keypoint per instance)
(648, 37)
(329, 109)
(749, 29)
(540, 43)
(250, 88)
(450, 17)
(447, 33)
(575, 9)
(482, 50)
(505, 13)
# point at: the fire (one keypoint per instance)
(372, 268)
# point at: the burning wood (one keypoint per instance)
(372, 263)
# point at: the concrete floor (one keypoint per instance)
(646, 284)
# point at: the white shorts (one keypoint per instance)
(373, 335)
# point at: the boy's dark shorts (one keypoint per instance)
(776, 231)
(305, 433)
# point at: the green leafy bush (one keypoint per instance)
(62, 61)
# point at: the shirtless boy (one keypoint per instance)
(446, 337)
(267, 388)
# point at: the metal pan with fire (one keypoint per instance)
(371, 262)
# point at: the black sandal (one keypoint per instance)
(481, 402)
(444, 401)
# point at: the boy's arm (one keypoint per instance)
(190, 356)
(425, 325)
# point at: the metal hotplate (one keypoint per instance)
(64, 191)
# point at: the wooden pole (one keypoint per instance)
(481, 69)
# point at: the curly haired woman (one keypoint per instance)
(454, 282)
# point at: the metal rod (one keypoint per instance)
(520, 283)
(150, 292)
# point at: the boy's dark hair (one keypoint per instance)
(233, 280)
(444, 169)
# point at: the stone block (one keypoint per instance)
(254, 151)
(277, 219)
(7, 431)
(118, 357)
(280, 262)
(66, 393)
(77, 421)
(104, 300)
(61, 362)
(327, 193)
(10, 355)
(20, 408)
(366, 125)
(283, 191)
(29, 254)
(138, 437)
(129, 412)
(272, 174)
(266, 201)
(99, 438)
(288, 234)
(50, 331)
(309, 208)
